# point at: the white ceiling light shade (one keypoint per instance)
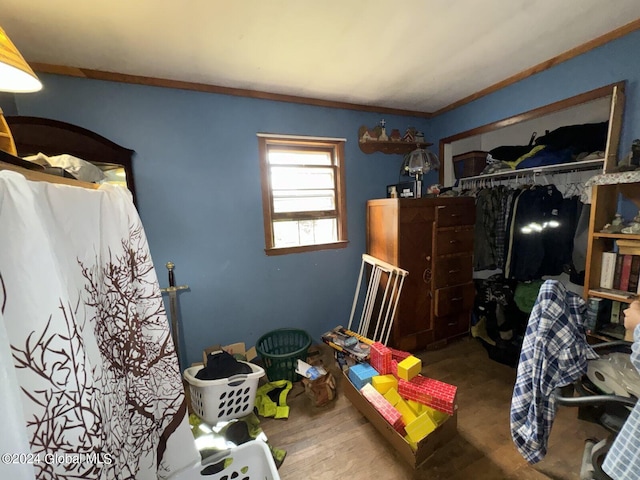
(15, 74)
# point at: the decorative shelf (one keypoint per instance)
(391, 147)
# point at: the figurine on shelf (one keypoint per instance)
(409, 135)
(634, 226)
(616, 225)
(367, 135)
(395, 135)
(383, 132)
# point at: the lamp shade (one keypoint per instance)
(15, 74)
(421, 161)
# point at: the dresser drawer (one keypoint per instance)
(452, 300)
(451, 326)
(454, 240)
(453, 270)
(456, 214)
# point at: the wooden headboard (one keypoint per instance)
(33, 135)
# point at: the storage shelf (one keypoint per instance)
(390, 147)
(562, 168)
(619, 295)
(617, 236)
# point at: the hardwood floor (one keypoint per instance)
(338, 442)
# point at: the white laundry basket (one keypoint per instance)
(224, 399)
(249, 461)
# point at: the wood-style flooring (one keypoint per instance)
(337, 441)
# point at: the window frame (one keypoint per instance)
(333, 145)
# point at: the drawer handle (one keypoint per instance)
(452, 324)
(426, 275)
(454, 241)
(455, 214)
(454, 271)
(456, 299)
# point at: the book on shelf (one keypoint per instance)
(598, 314)
(625, 272)
(634, 274)
(607, 269)
(615, 312)
(617, 272)
(626, 245)
(603, 317)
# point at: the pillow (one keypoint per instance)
(80, 169)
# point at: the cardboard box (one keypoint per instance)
(238, 350)
(426, 447)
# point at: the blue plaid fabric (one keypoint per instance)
(554, 354)
(623, 460)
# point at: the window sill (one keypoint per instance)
(306, 248)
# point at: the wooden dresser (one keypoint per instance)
(431, 238)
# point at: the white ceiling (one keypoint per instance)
(418, 55)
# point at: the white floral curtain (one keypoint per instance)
(93, 365)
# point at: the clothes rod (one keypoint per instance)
(551, 169)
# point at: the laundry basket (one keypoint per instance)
(280, 351)
(225, 398)
(249, 461)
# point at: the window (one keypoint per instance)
(303, 194)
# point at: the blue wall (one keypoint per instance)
(198, 184)
(607, 64)
(199, 196)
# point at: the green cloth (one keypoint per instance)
(526, 294)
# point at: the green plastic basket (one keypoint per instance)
(280, 351)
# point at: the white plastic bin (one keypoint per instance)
(250, 461)
(224, 399)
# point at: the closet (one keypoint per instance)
(602, 107)
(545, 209)
(604, 104)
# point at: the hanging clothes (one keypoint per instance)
(489, 233)
(82, 311)
(540, 234)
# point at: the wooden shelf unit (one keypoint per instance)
(604, 205)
